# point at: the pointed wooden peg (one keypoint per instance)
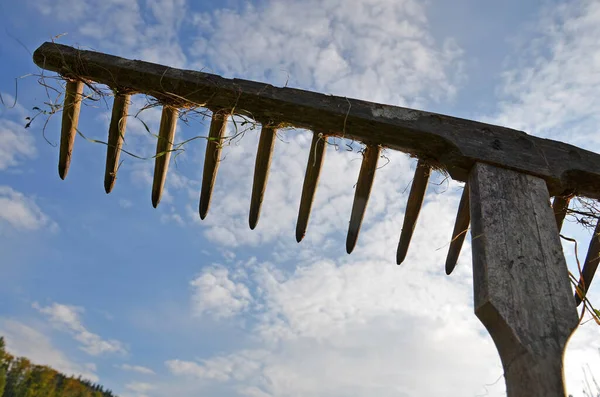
(70, 120)
(116, 133)
(560, 205)
(362, 193)
(463, 218)
(264, 155)
(311, 179)
(413, 207)
(218, 126)
(592, 259)
(164, 145)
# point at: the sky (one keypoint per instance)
(152, 302)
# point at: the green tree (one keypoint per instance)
(19, 377)
(2, 380)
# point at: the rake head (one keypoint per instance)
(439, 141)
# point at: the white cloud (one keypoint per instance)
(358, 329)
(357, 325)
(136, 368)
(124, 203)
(23, 340)
(19, 212)
(172, 217)
(551, 85)
(222, 368)
(139, 387)
(378, 50)
(214, 292)
(16, 144)
(68, 318)
(124, 27)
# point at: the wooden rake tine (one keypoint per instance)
(413, 208)
(70, 120)
(116, 133)
(560, 205)
(164, 145)
(590, 265)
(218, 126)
(463, 218)
(311, 179)
(362, 193)
(264, 155)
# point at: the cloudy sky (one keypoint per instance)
(156, 302)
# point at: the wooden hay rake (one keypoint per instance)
(521, 282)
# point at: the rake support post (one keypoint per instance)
(521, 282)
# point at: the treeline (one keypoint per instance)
(19, 377)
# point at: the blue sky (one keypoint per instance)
(156, 302)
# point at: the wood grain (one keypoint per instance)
(164, 146)
(521, 282)
(70, 121)
(560, 205)
(311, 180)
(592, 259)
(264, 154)
(413, 208)
(455, 144)
(362, 194)
(116, 134)
(212, 158)
(461, 226)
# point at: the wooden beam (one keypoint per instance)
(453, 143)
(521, 281)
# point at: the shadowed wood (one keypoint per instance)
(455, 144)
(164, 145)
(70, 120)
(362, 193)
(311, 180)
(264, 155)
(592, 259)
(521, 282)
(116, 133)
(463, 218)
(560, 205)
(218, 127)
(413, 208)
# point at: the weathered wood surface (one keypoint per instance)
(212, 159)
(164, 146)
(362, 193)
(560, 205)
(116, 134)
(461, 226)
(264, 154)
(521, 282)
(455, 144)
(311, 180)
(70, 120)
(592, 259)
(413, 208)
